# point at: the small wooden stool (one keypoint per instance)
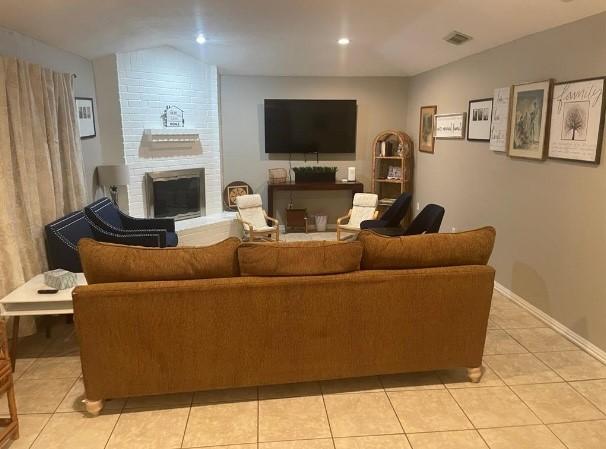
(10, 426)
(296, 218)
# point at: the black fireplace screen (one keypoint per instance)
(176, 197)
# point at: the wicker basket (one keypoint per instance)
(277, 175)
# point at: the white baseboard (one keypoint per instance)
(553, 323)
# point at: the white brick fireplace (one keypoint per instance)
(133, 91)
(148, 81)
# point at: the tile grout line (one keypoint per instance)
(523, 402)
(475, 428)
(191, 402)
(394, 410)
(332, 437)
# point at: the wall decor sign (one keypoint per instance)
(499, 128)
(577, 120)
(480, 118)
(530, 106)
(172, 117)
(449, 126)
(86, 117)
(426, 140)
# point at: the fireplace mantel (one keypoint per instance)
(166, 138)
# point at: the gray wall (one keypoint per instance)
(28, 49)
(381, 105)
(550, 216)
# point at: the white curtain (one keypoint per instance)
(41, 175)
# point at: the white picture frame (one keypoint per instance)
(85, 113)
(501, 116)
(577, 120)
(530, 107)
(450, 126)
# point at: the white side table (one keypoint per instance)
(26, 300)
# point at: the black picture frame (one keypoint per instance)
(85, 113)
(471, 118)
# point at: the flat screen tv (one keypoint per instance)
(310, 126)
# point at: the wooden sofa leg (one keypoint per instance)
(474, 374)
(94, 407)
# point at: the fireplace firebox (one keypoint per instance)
(177, 194)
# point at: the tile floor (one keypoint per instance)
(539, 391)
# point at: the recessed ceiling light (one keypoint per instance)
(343, 41)
(200, 39)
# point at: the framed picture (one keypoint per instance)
(577, 120)
(232, 191)
(528, 133)
(394, 172)
(449, 126)
(480, 118)
(426, 141)
(501, 113)
(86, 117)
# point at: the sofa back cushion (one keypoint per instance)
(299, 258)
(426, 250)
(108, 262)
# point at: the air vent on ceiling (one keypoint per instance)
(457, 38)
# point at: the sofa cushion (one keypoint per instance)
(426, 250)
(299, 258)
(108, 262)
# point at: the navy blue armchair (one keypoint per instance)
(63, 235)
(62, 238)
(392, 217)
(428, 221)
(109, 224)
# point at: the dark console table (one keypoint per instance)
(355, 187)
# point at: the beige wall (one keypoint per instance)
(28, 49)
(550, 216)
(381, 105)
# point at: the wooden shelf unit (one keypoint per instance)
(401, 144)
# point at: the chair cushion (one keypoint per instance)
(426, 250)
(366, 199)
(108, 262)
(298, 258)
(106, 211)
(246, 201)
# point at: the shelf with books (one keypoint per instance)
(392, 153)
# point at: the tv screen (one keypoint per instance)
(310, 126)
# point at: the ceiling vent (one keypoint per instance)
(457, 38)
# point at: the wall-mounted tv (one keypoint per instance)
(310, 126)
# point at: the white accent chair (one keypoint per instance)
(254, 219)
(364, 208)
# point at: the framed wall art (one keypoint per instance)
(528, 133)
(426, 141)
(86, 117)
(232, 191)
(449, 126)
(501, 113)
(479, 120)
(577, 120)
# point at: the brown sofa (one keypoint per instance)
(279, 313)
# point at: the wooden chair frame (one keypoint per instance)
(261, 235)
(10, 425)
(341, 229)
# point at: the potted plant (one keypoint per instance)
(315, 174)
